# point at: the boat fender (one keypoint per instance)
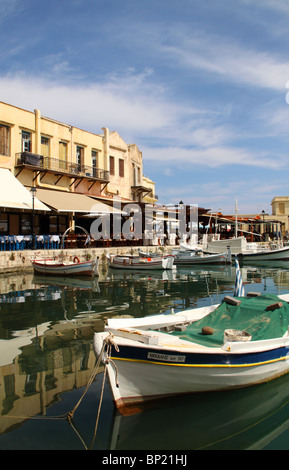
(76, 259)
(274, 306)
(207, 330)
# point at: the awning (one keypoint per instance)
(14, 195)
(62, 201)
(99, 208)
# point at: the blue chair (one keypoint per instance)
(11, 242)
(46, 242)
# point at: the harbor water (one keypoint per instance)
(46, 361)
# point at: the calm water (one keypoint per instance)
(46, 360)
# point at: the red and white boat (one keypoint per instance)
(67, 268)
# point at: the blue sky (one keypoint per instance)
(198, 85)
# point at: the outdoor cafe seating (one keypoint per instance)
(24, 242)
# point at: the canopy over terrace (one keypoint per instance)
(251, 226)
(81, 209)
(14, 195)
(62, 201)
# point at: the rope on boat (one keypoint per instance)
(107, 343)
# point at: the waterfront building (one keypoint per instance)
(280, 211)
(70, 168)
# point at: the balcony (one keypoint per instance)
(59, 167)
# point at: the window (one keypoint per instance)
(4, 224)
(26, 224)
(62, 223)
(111, 165)
(94, 158)
(79, 156)
(121, 167)
(62, 155)
(94, 162)
(45, 146)
(4, 140)
(58, 224)
(26, 141)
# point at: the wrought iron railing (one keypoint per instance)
(53, 164)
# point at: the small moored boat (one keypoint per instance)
(280, 254)
(187, 257)
(67, 268)
(141, 262)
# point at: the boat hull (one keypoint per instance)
(142, 263)
(188, 259)
(148, 373)
(272, 255)
(57, 269)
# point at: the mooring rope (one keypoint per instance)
(107, 342)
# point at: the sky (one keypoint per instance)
(200, 86)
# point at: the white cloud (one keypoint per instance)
(228, 59)
(251, 194)
(180, 136)
(212, 157)
(91, 106)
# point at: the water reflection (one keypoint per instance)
(243, 419)
(46, 330)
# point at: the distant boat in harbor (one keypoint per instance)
(141, 262)
(53, 267)
(280, 254)
(187, 257)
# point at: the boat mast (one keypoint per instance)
(236, 218)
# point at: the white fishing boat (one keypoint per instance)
(141, 262)
(49, 266)
(237, 245)
(146, 364)
(188, 257)
(278, 254)
(193, 244)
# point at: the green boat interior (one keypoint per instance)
(263, 317)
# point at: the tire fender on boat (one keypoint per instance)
(76, 259)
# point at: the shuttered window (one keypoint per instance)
(44, 146)
(111, 165)
(121, 167)
(62, 155)
(4, 140)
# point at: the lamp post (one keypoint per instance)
(33, 193)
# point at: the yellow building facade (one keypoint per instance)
(53, 156)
